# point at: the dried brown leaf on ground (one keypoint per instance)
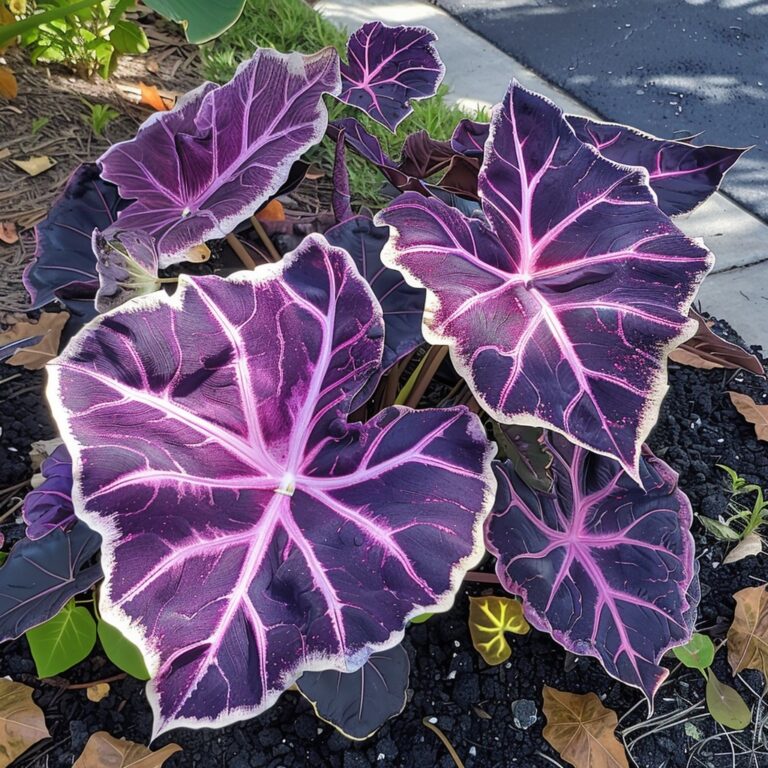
(748, 635)
(582, 730)
(49, 326)
(22, 723)
(35, 165)
(272, 211)
(97, 692)
(750, 545)
(707, 350)
(755, 414)
(9, 88)
(152, 97)
(8, 233)
(105, 751)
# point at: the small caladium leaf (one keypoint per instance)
(49, 506)
(121, 651)
(726, 705)
(697, 653)
(387, 67)
(62, 641)
(490, 618)
(561, 310)
(469, 137)
(524, 447)
(212, 450)
(402, 305)
(681, 174)
(40, 576)
(358, 703)
(602, 565)
(199, 170)
(64, 266)
(127, 264)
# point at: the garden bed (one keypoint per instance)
(473, 703)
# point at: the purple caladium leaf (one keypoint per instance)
(250, 532)
(49, 506)
(359, 703)
(402, 304)
(199, 170)
(39, 577)
(602, 565)
(560, 310)
(681, 174)
(341, 198)
(127, 264)
(389, 66)
(64, 266)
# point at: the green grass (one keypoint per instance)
(291, 25)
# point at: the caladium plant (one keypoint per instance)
(246, 471)
(255, 533)
(560, 308)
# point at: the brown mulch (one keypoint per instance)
(172, 64)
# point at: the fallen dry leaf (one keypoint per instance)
(34, 357)
(751, 544)
(8, 233)
(748, 635)
(36, 165)
(4, 153)
(197, 254)
(9, 88)
(752, 412)
(97, 692)
(105, 751)
(40, 450)
(153, 98)
(582, 730)
(22, 723)
(6, 17)
(707, 350)
(272, 211)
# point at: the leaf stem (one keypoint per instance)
(482, 578)
(421, 378)
(9, 31)
(440, 735)
(240, 251)
(268, 244)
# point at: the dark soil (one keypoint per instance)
(473, 704)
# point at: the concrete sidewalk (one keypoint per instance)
(478, 73)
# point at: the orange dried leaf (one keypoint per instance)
(103, 750)
(582, 730)
(36, 165)
(22, 723)
(748, 635)
(9, 88)
(272, 211)
(752, 412)
(8, 233)
(34, 357)
(153, 98)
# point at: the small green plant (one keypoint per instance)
(99, 117)
(38, 124)
(723, 702)
(744, 519)
(88, 40)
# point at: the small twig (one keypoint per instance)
(12, 488)
(10, 378)
(440, 735)
(7, 514)
(240, 251)
(81, 686)
(268, 244)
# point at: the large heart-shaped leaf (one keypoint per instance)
(201, 20)
(39, 577)
(359, 703)
(605, 567)
(561, 310)
(199, 170)
(250, 532)
(64, 266)
(387, 67)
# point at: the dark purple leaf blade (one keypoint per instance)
(681, 174)
(49, 506)
(341, 197)
(560, 310)
(359, 703)
(250, 533)
(469, 137)
(602, 565)
(402, 305)
(199, 170)
(40, 576)
(389, 66)
(64, 266)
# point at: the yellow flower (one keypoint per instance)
(17, 7)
